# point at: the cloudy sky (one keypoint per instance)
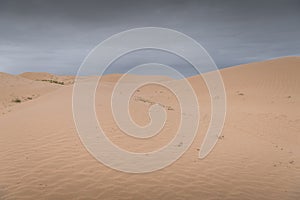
(56, 35)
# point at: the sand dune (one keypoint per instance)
(43, 76)
(16, 89)
(257, 156)
(111, 78)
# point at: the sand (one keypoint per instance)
(43, 76)
(257, 156)
(16, 88)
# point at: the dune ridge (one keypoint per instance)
(256, 157)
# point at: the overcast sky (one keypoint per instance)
(55, 36)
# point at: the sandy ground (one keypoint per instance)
(257, 156)
(43, 76)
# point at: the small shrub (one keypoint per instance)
(170, 108)
(221, 137)
(16, 100)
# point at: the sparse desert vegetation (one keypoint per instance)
(53, 81)
(16, 100)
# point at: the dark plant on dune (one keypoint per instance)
(16, 100)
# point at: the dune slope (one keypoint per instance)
(257, 156)
(43, 76)
(16, 89)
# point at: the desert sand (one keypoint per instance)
(256, 157)
(43, 76)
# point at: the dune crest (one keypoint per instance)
(44, 76)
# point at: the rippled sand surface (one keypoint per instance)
(256, 157)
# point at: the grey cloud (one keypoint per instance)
(55, 36)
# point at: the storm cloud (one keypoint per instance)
(55, 36)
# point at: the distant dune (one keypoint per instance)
(43, 76)
(131, 77)
(256, 157)
(16, 89)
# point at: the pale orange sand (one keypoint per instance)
(257, 157)
(43, 76)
